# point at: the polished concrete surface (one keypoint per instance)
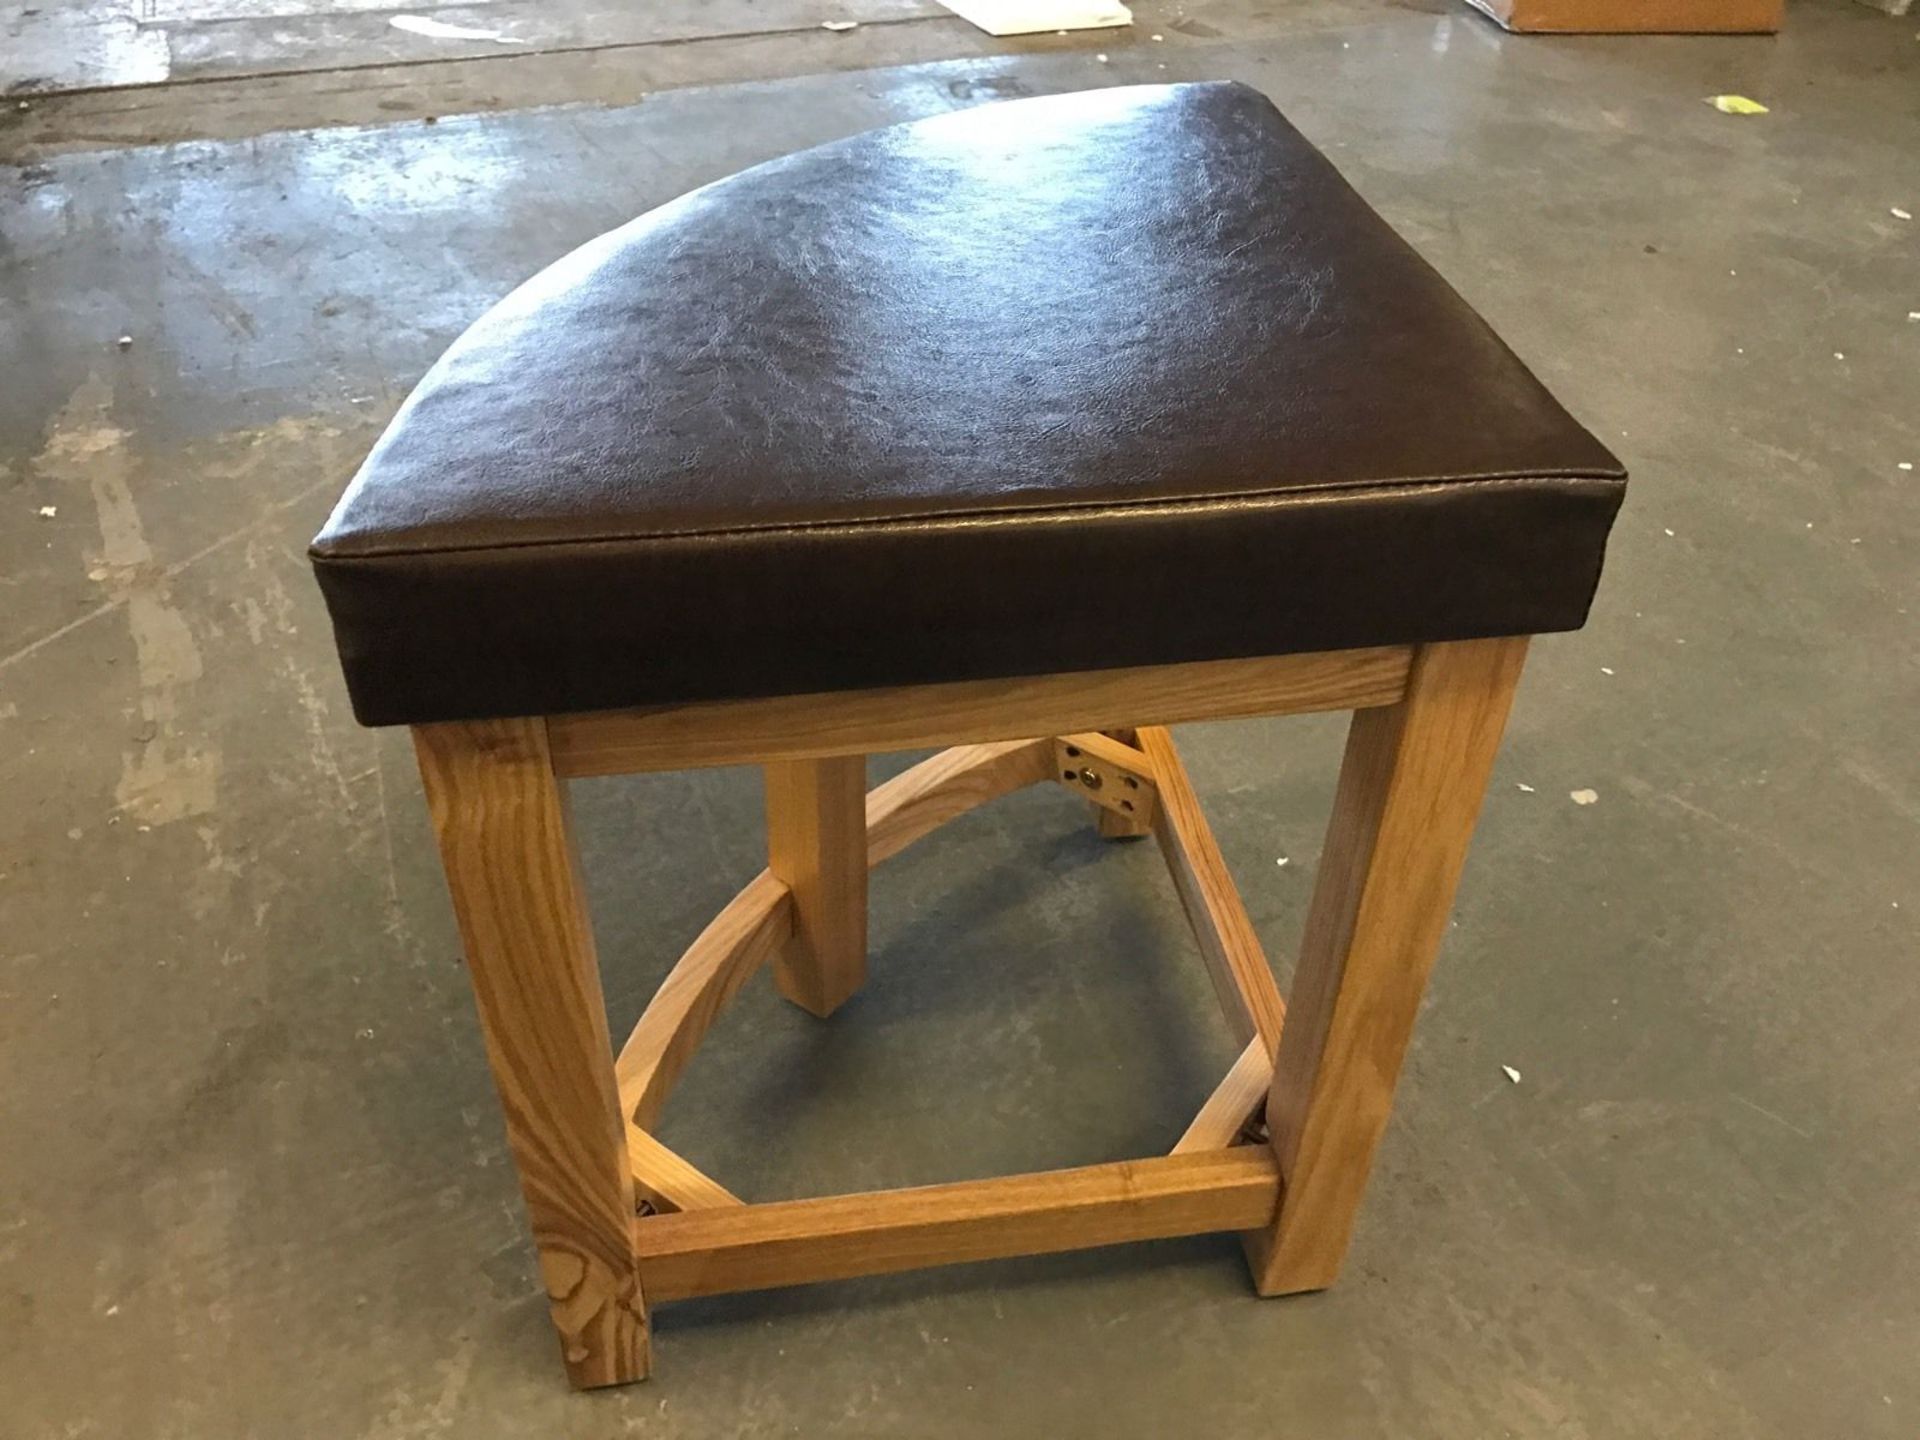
(252, 1180)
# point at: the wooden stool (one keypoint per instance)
(1030, 431)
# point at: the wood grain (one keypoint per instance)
(1410, 788)
(945, 787)
(1636, 17)
(817, 846)
(1241, 975)
(1234, 1101)
(735, 943)
(667, 1181)
(502, 823)
(737, 732)
(711, 1252)
(1112, 825)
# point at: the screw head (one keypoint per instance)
(1090, 778)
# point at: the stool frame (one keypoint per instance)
(1281, 1150)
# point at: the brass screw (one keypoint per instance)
(1090, 778)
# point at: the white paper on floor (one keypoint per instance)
(1030, 17)
(441, 30)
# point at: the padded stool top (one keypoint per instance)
(1125, 377)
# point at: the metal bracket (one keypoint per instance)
(1112, 774)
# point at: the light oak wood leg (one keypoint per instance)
(1410, 789)
(1111, 825)
(817, 845)
(501, 818)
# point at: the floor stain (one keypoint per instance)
(165, 773)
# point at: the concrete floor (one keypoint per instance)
(90, 44)
(252, 1181)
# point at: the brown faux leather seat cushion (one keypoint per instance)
(1116, 378)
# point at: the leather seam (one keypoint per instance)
(1272, 499)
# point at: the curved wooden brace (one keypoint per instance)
(919, 801)
(735, 943)
(757, 921)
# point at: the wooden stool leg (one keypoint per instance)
(502, 822)
(817, 845)
(1410, 788)
(1111, 825)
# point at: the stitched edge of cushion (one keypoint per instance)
(1319, 494)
